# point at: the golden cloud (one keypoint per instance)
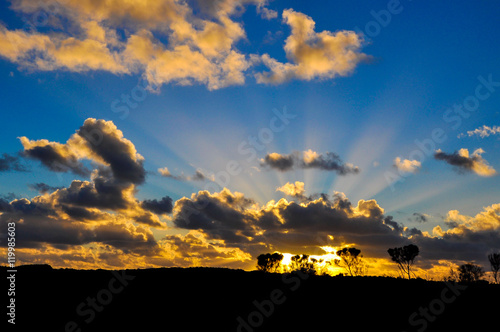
(200, 48)
(292, 189)
(465, 162)
(312, 54)
(406, 165)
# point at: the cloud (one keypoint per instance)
(37, 51)
(311, 54)
(43, 188)
(199, 50)
(233, 221)
(173, 42)
(162, 206)
(266, 13)
(195, 249)
(419, 217)
(282, 163)
(285, 226)
(227, 229)
(482, 132)
(9, 196)
(97, 140)
(165, 172)
(113, 183)
(102, 192)
(106, 144)
(197, 176)
(293, 189)
(308, 159)
(55, 156)
(41, 221)
(11, 163)
(463, 162)
(467, 239)
(105, 193)
(221, 215)
(406, 165)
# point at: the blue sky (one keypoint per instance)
(428, 58)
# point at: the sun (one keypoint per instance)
(324, 262)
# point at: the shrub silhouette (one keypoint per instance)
(351, 260)
(470, 272)
(495, 265)
(269, 262)
(404, 257)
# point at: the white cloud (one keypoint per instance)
(482, 132)
(406, 165)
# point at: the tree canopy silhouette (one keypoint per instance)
(470, 273)
(269, 262)
(351, 260)
(495, 265)
(303, 264)
(404, 257)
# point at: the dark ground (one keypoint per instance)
(209, 299)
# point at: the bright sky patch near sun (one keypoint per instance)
(188, 133)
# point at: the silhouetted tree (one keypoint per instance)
(303, 264)
(470, 272)
(269, 262)
(495, 265)
(351, 260)
(321, 269)
(452, 276)
(404, 257)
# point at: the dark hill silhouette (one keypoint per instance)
(212, 299)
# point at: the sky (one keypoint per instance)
(207, 132)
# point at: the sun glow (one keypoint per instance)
(324, 263)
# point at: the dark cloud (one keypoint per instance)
(398, 227)
(135, 239)
(464, 162)
(39, 223)
(455, 159)
(197, 176)
(119, 169)
(419, 217)
(80, 213)
(330, 162)
(455, 247)
(32, 208)
(97, 140)
(104, 193)
(107, 142)
(163, 206)
(220, 216)
(5, 205)
(11, 163)
(304, 227)
(279, 162)
(413, 231)
(10, 196)
(43, 187)
(309, 159)
(284, 226)
(465, 241)
(55, 161)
